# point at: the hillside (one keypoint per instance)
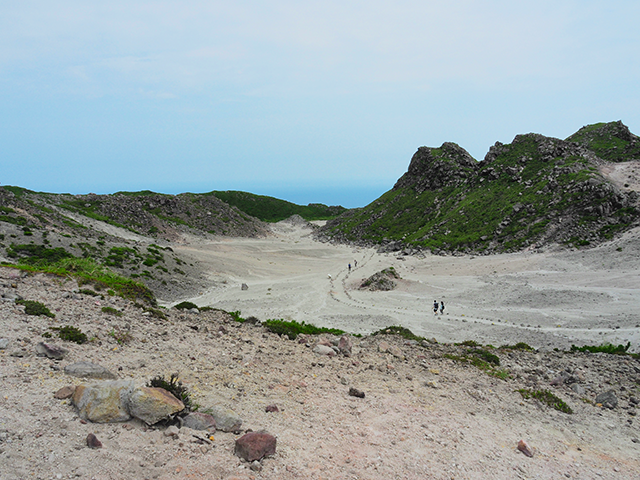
(270, 209)
(426, 410)
(531, 193)
(128, 232)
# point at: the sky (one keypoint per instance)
(309, 101)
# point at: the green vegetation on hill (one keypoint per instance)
(534, 190)
(270, 209)
(610, 141)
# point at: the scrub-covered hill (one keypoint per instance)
(532, 192)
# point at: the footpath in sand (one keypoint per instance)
(548, 299)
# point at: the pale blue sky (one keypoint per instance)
(312, 101)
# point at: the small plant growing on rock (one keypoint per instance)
(292, 329)
(546, 397)
(398, 330)
(71, 334)
(604, 348)
(112, 311)
(175, 387)
(121, 336)
(35, 308)
(518, 346)
(88, 291)
(185, 306)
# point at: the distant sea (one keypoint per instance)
(349, 197)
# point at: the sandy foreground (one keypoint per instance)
(549, 299)
(424, 415)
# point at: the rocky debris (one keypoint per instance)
(4, 343)
(88, 370)
(64, 393)
(249, 368)
(226, 419)
(93, 442)
(321, 349)
(254, 446)
(525, 448)
(151, 405)
(200, 421)
(607, 399)
(244, 287)
(385, 347)
(380, 281)
(50, 351)
(104, 402)
(345, 345)
(271, 408)
(354, 392)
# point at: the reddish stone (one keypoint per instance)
(272, 408)
(93, 442)
(255, 446)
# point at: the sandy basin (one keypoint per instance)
(549, 299)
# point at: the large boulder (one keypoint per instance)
(151, 404)
(104, 402)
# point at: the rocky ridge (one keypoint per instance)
(129, 233)
(532, 193)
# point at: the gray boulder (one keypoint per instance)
(50, 351)
(88, 370)
(200, 421)
(608, 399)
(226, 419)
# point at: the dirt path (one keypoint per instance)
(547, 299)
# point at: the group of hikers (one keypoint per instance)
(436, 306)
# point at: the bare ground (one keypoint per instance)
(423, 416)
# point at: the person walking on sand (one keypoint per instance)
(441, 307)
(349, 267)
(355, 264)
(435, 307)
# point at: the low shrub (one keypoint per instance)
(398, 330)
(32, 307)
(185, 306)
(546, 397)
(112, 311)
(71, 334)
(292, 328)
(518, 346)
(604, 348)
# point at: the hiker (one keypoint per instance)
(355, 264)
(349, 267)
(435, 307)
(441, 308)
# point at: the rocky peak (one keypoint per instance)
(433, 168)
(610, 141)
